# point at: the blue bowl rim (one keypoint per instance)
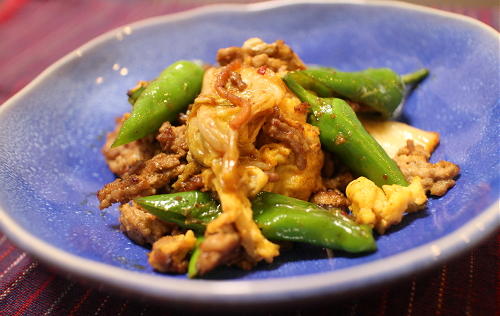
(254, 292)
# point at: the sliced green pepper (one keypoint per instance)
(162, 100)
(279, 217)
(343, 134)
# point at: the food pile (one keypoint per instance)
(219, 165)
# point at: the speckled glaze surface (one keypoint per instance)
(52, 131)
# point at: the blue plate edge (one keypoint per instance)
(261, 291)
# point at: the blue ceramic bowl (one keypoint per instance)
(52, 131)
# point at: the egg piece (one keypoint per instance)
(383, 207)
(392, 135)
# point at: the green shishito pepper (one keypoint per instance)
(288, 219)
(191, 209)
(134, 93)
(162, 100)
(282, 218)
(381, 89)
(343, 134)
(193, 260)
(279, 217)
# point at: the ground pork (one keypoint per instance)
(120, 159)
(276, 56)
(437, 178)
(335, 175)
(172, 139)
(142, 173)
(328, 169)
(190, 179)
(143, 180)
(169, 253)
(290, 133)
(330, 199)
(219, 248)
(142, 227)
(339, 181)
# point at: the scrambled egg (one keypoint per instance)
(169, 252)
(392, 135)
(236, 164)
(383, 207)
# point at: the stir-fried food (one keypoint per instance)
(217, 165)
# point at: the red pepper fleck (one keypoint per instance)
(262, 70)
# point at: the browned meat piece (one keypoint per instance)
(339, 181)
(290, 133)
(437, 178)
(190, 179)
(194, 182)
(173, 139)
(360, 108)
(330, 199)
(142, 227)
(143, 180)
(328, 169)
(236, 81)
(120, 159)
(276, 56)
(219, 248)
(169, 252)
